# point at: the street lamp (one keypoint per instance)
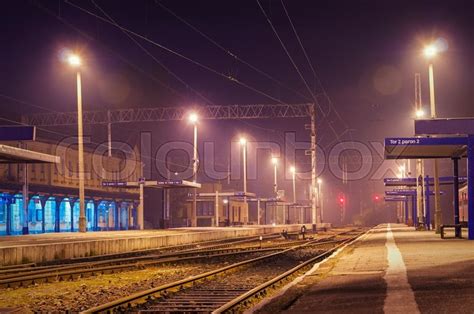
(430, 52)
(293, 173)
(275, 184)
(420, 113)
(75, 61)
(193, 118)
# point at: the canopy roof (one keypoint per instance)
(10, 154)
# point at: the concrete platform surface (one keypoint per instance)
(52, 246)
(392, 269)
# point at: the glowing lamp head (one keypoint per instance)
(292, 169)
(319, 181)
(376, 197)
(193, 118)
(341, 200)
(74, 60)
(243, 141)
(226, 201)
(420, 113)
(274, 160)
(430, 51)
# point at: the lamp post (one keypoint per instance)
(75, 62)
(243, 143)
(430, 52)
(275, 183)
(193, 119)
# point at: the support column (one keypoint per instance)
(43, 201)
(470, 186)
(8, 205)
(456, 192)
(438, 213)
(258, 211)
(427, 203)
(25, 199)
(96, 215)
(406, 211)
(117, 214)
(216, 210)
(414, 210)
(71, 204)
(140, 208)
(265, 214)
(57, 209)
(410, 211)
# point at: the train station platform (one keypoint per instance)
(391, 269)
(53, 246)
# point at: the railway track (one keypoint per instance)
(24, 276)
(230, 288)
(161, 250)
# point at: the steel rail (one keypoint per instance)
(144, 296)
(244, 299)
(79, 270)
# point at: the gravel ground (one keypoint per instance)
(249, 277)
(85, 293)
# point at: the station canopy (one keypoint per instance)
(12, 155)
(425, 147)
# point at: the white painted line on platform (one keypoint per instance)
(400, 297)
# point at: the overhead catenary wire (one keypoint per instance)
(116, 54)
(229, 52)
(311, 64)
(147, 52)
(295, 66)
(173, 52)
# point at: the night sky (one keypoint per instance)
(365, 54)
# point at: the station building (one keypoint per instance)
(52, 190)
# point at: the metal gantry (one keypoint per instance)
(213, 112)
(176, 113)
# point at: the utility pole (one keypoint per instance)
(315, 218)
